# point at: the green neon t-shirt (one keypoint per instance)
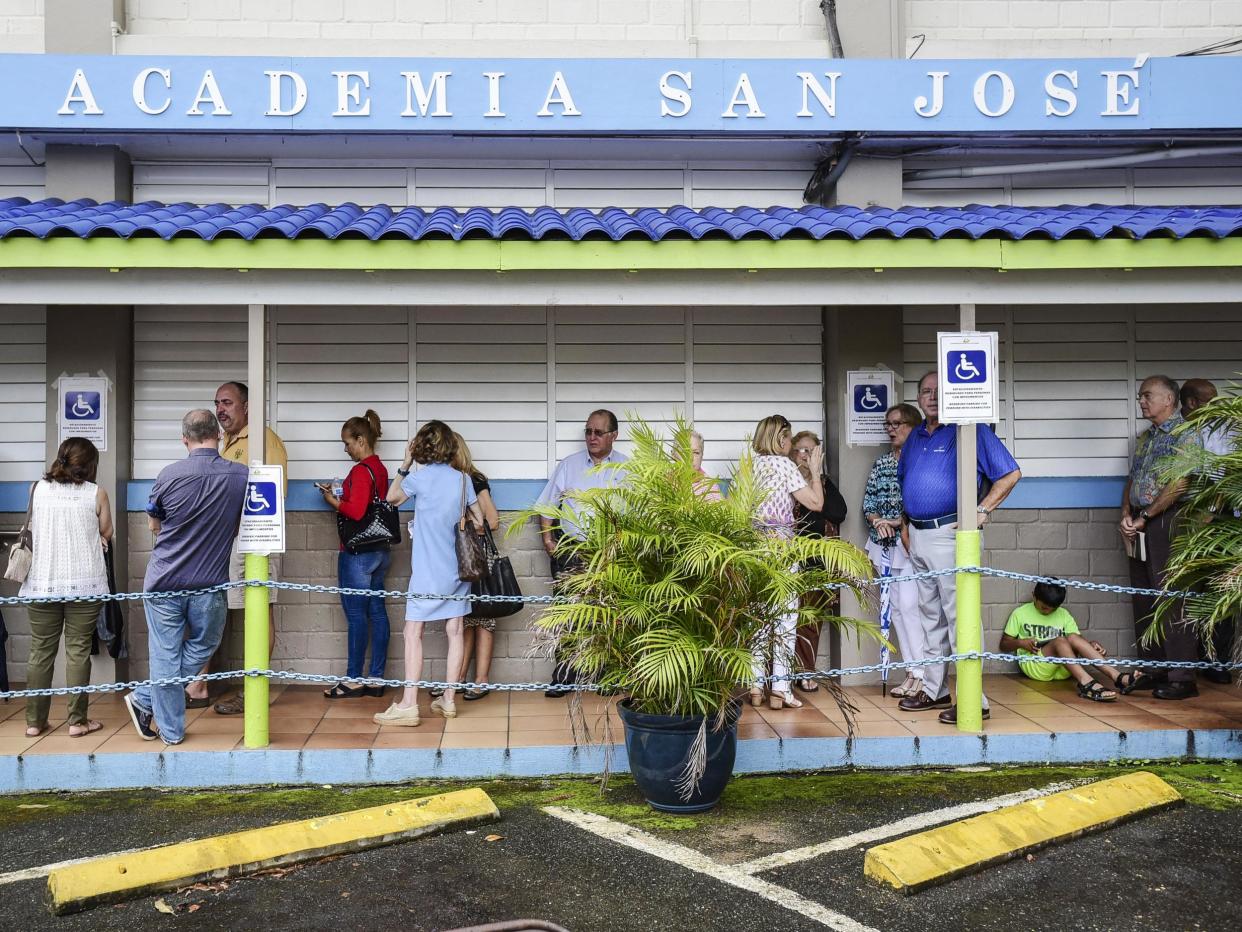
(1026, 621)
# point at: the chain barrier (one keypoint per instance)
(295, 677)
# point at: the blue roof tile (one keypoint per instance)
(85, 218)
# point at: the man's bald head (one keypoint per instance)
(1196, 393)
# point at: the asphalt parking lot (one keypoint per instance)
(1177, 869)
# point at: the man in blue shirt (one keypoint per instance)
(928, 474)
(194, 512)
(574, 473)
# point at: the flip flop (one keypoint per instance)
(90, 727)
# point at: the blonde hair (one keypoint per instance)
(768, 433)
(462, 461)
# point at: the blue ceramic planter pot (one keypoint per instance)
(658, 746)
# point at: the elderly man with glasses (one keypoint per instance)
(928, 475)
(1149, 518)
(572, 474)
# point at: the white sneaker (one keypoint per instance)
(447, 709)
(394, 715)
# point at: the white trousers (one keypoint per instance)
(903, 605)
(779, 642)
(936, 549)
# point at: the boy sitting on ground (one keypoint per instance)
(1042, 626)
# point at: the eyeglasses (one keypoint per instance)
(894, 424)
(803, 451)
(595, 432)
(926, 392)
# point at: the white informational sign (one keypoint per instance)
(82, 405)
(263, 512)
(869, 393)
(968, 382)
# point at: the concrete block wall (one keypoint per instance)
(1034, 28)
(311, 629)
(21, 26)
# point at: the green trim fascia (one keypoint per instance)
(630, 255)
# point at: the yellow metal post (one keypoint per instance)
(969, 634)
(256, 687)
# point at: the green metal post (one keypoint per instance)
(969, 634)
(256, 687)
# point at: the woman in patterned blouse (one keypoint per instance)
(776, 473)
(882, 508)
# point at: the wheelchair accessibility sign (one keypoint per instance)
(968, 387)
(83, 409)
(869, 393)
(262, 527)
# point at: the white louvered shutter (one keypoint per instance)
(23, 393)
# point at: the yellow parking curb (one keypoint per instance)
(932, 857)
(118, 877)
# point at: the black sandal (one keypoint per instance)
(1129, 680)
(806, 685)
(341, 691)
(471, 694)
(1096, 693)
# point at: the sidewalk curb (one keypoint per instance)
(918, 861)
(113, 878)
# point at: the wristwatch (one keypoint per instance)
(402, 472)
(984, 510)
(1144, 515)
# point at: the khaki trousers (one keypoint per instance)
(47, 621)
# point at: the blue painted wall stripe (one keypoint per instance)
(515, 494)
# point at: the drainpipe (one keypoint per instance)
(829, 9)
(824, 180)
(1111, 161)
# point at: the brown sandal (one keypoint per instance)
(33, 731)
(90, 727)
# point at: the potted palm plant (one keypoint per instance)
(675, 588)
(1206, 554)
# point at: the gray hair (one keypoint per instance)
(1168, 384)
(200, 425)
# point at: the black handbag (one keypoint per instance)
(498, 580)
(471, 563)
(378, 529)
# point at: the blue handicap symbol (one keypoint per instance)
(81, 406)
(967, 367)
(871, 399)
(260, 499)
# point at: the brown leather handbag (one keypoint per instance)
(471, 560)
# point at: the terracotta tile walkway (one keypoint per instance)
(302, 718)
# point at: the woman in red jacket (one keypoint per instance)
(367, 616)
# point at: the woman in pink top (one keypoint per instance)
(776, 473)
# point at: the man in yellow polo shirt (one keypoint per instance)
(233, 413)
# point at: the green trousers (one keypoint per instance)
(47, 621)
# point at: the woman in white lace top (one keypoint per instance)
(71, 526)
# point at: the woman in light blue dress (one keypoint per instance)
(437, 490)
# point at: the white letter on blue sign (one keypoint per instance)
(349, 90)
(493, 93)
(677, 94)
(140, 90)
(743, 94)
(299, 93)
(209, 93)
(1057, 92)
(827, 99)
(415, 92)
(925, 108)
(80, 93)
(1118, 92)
(981, 93)
(558, 93)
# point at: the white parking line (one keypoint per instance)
(914, 823)
(700, 863)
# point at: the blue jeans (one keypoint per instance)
(363, 612)
(183, 633)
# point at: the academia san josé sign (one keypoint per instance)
(582, 96)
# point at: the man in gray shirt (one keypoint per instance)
(194, 512)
